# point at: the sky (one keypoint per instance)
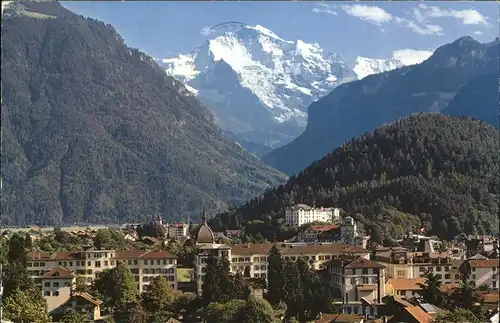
(404, 30)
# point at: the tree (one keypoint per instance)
(15, 276)
(17, 251)
(256, 310)
(75, 317)
(210, 289)
(431, 289)
(138, 314)
(274, 276)
(292, 291)
(160, 295)
(26, 306)
(81, 285)
(117, 287)
(28, 243)
(224, 312)
(456, 316)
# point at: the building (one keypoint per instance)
(57, 285)
(255, 256)
(300, 214)
(359, 282)
(177, 230)
(404, 287)
(81, 302)
(316, 232)
(404, 264)
(482, 271)
(145, 265)
(205, 247)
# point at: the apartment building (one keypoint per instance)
(482, 271)
(300, 214)
(145, 265)
(177, 230)
(403, 264)
(359, 282)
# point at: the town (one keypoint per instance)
(418, 280)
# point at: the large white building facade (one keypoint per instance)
(300, 214)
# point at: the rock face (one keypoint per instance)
(96, 132)
(357, 107)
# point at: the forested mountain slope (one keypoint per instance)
(354, 108)
(94, 131)
(429, 170)
(479, 99)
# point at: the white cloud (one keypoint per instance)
(206, 30)
(371, 14)
(324, 8)
(411, 56)
(425, 29)
(466, 16)
(478, 33)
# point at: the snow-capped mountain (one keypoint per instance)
(367, 66)
(254, 80)
(259, 85)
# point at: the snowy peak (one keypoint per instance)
(367, 66)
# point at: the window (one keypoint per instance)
(438, 268)
(474, 269)
(47, 293)
(421, 269)
(446, 268)
(135, 261)
(55, 284)
(60, 263)
(401, 272)
(158, 261)
(146, 262)
(447, 276)
(47, 284)
(256, 267)
(365, 271)
(365, 280)
(67, 284)
(42, 264)
(353, 281)
(56, 293)
(112, 262)
(234, 259)
(473, 276)
(106, 263)
(89, 263)
(164, 261)
(98, 264)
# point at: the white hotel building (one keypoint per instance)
(300, 214)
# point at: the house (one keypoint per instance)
(300, 214)
(482, 271)
(404, 287)
(233, 233)
(57, 284)
(359, 282)
(151, 241)
(80, 302)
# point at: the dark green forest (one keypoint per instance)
(429, 170)
(94, 131)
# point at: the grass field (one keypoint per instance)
(184, 274)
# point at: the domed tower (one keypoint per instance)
(205, 234)
(348, 230)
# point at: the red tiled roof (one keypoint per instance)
(406, 283)
(59, 273)
(339, 318)
(419, 314)
(364, 263)
(263, 249)
(491, 298)
(484, 263)
(323, 227)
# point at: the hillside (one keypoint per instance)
(427, 169)
(479, 98)
(354, 108)
(94, 131)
